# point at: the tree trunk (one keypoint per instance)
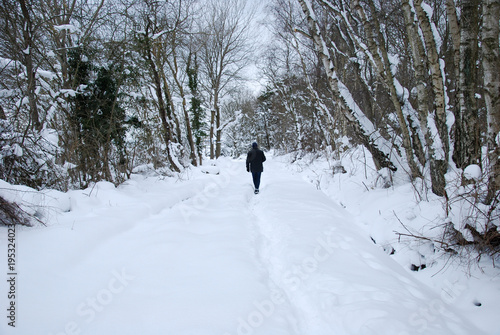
(437, 78)
(266, 131)
(30, 68)
(454, 76)
(438, 165)
(189, 132)
(467, 137)
(451, 13)
(167, 133)
(218, 132)
(212, 130)
(176, 136)
(491, 80)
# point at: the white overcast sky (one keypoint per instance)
(262, 34)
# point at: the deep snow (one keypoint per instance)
(201, 254)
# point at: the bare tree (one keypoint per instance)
(176, 49)
(225, 51)
(28, 49)
(154, 25)
(18, 30)
(280, 71)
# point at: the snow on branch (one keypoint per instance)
(69, 27)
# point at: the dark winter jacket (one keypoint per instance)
(255, 158)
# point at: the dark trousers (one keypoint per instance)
(256, 179)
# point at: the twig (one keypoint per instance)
(422, 238)
(34, 217)
(410, 234)
(366, 186)
(402, 223)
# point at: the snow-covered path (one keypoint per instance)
(205, 256)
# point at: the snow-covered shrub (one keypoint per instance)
(11, 214)
(29, 159)
(473, 221)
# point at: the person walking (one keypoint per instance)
(255, 158)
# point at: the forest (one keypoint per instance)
(93, 89)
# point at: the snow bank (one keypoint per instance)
(41, 204)
(381, 214)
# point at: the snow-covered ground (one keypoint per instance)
(201, 254)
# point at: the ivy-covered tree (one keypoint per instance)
(96, 120)
(198, 124)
